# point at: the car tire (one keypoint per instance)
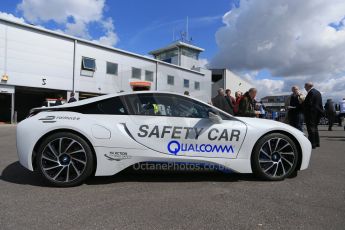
(275, 157)
(64, 159)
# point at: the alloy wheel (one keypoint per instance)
(63, 159)
(277, 157)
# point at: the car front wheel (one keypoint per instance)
(275, 157)
(65, 159)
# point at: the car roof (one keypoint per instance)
(107, 96)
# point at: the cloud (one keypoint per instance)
(296, 40)
(11, 17)
(203, 62)
(74, 15)
(110, 36)
(201, 21)
(78, 28)
(37, 11)
(265, 86)
(332, 88)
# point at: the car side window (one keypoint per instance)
(167, 105)
(111, 106)
(146, 104)
(184, 107)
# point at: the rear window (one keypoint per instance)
(111, 106)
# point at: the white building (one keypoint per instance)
(36, 64)
(224, 78)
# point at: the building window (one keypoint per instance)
(111, 68)
(136, 73)
(148, 75)
(170, 80)
(197, 85)
(88, 64)
(167, 55)
(185, 83)
(190, 53)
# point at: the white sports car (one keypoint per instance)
(107, 134)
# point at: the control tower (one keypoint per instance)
(181, 54)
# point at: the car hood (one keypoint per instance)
(260, 123)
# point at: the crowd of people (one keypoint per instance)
(296, 108)
(300, 107)
(243, 105)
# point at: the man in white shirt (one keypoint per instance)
(342, 111)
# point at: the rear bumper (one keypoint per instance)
(25, 144)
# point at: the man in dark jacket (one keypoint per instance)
(246, 105)
(295, 108)
(231, 101)
(330, 113)
(220, 102)
(313, 111)
(72, 98)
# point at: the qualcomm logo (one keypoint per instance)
(174, 147)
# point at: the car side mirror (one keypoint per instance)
(214, 118)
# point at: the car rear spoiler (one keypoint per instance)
(35, 111)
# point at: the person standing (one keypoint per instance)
(330, 113)
(312, 113)
(295, 108)
(262, 110)
(72, 98)
(238, 97)
(59, 100)
(341, 111)
(246, 104)
(220, 102)
(231, 101)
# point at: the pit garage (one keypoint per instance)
(6, 103)
(5, 107)
(27, 98)
(23, 99)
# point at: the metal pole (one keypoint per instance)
(13, 120)
(73, 73)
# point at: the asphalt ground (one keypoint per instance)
(315, 199)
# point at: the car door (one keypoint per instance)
(178, 125)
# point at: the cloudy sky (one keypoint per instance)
(272, 43)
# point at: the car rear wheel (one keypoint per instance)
(275, 157)
(65, 159)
